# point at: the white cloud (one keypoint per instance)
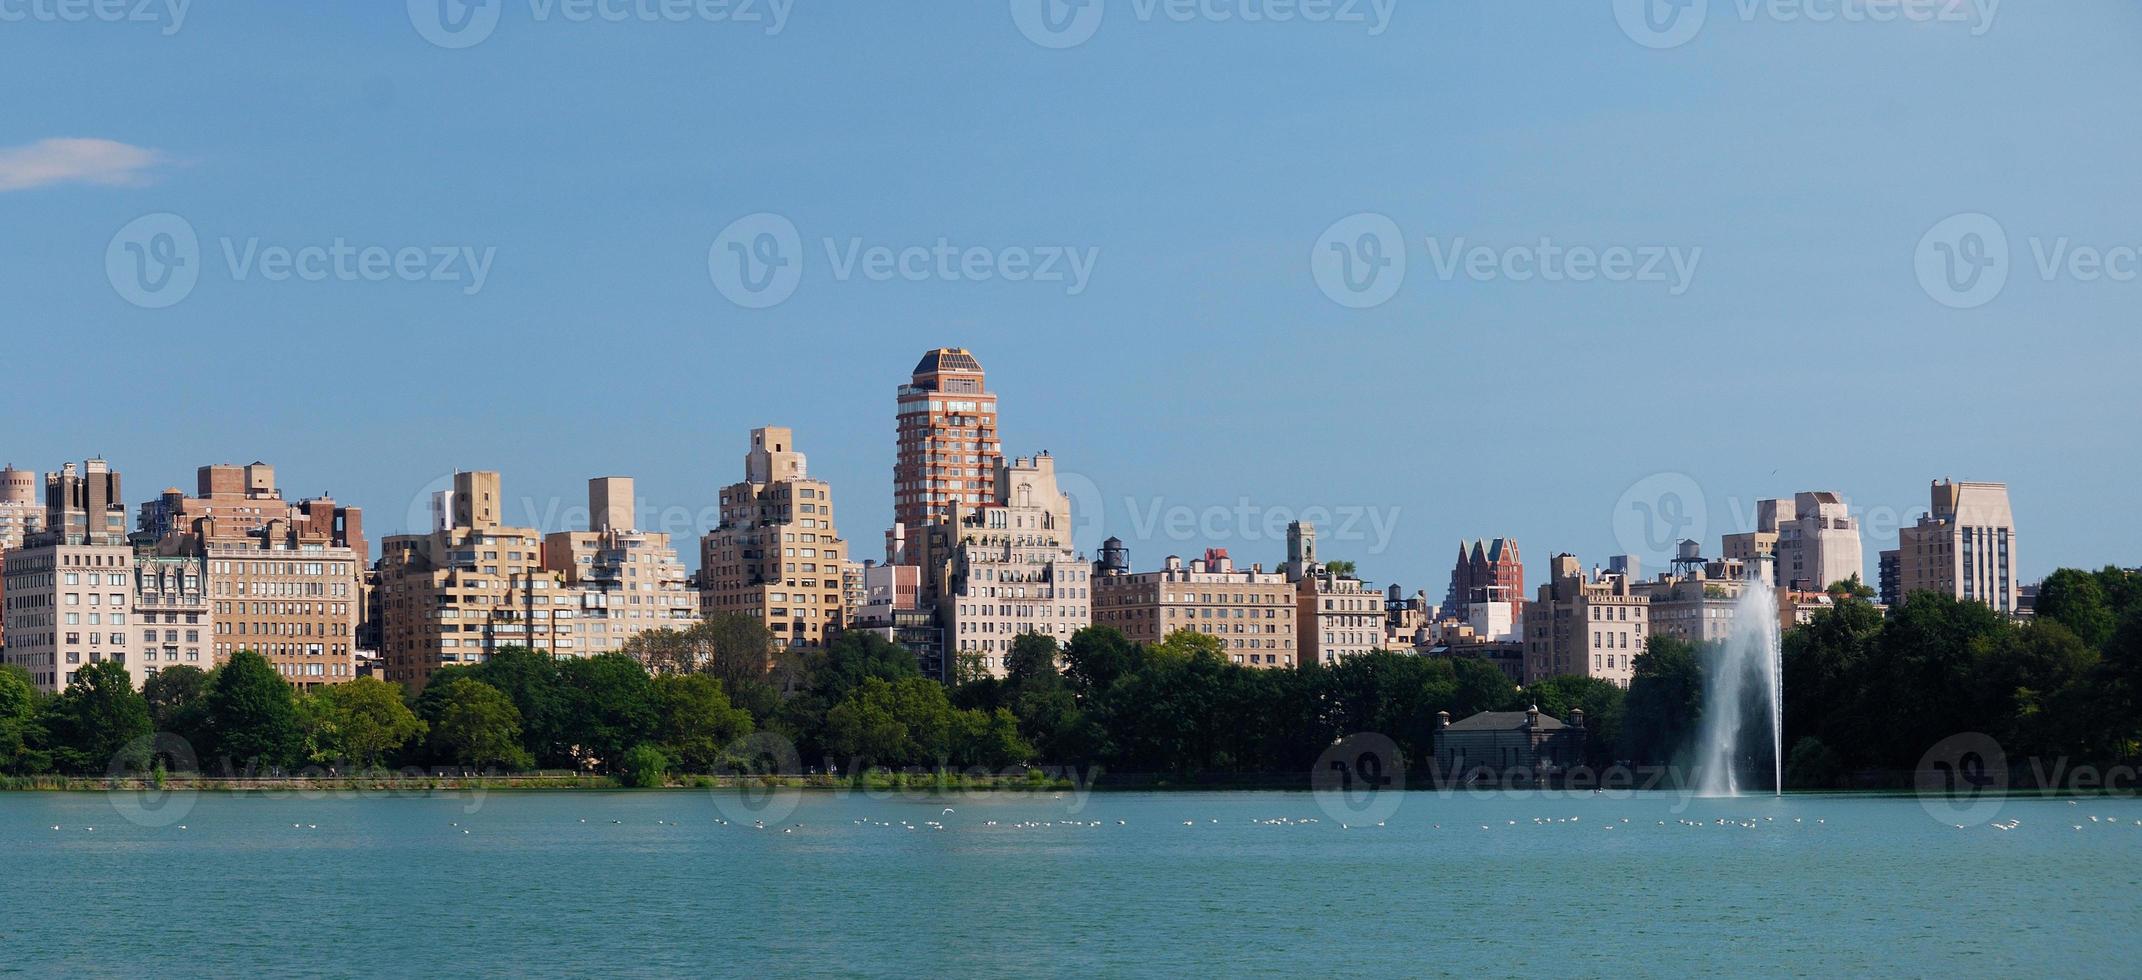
(86, 161)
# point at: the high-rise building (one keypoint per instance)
(457, 594)
(1964, 547)
(1250, 611)
(1813, 537)
(948, 446)
(1587, 627)
(1820, 546)
(627, 581)
(777, 555)
(1006, 567)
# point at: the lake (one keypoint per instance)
(655, 883)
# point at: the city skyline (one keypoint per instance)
(1804, 352)
(1244, 524)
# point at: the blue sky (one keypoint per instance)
(1199, 384)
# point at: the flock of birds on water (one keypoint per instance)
(1748, 823)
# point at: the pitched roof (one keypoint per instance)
(1498, 721)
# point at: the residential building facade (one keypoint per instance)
(284, 579)
(69, 590)
(1006, 568)
(1585, 626)
(1335, 615)
(1965, 547)
(627, 581)
(1249, 611)
(459, 593)
(777, 555)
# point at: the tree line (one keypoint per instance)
(1865, 691)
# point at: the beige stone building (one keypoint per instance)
(627, 581)
(69, 589)
(1007, 567)
(778, 555)
(22, 514)
(1585, 626)
(1697, 602)
(1813, 539)
(1335, 615)
(475, 584)
(174, 615)
(1250, 611)
(284, 578)
(1964, 547)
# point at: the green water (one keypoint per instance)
(583, 883)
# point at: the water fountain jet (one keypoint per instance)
(1751, 661)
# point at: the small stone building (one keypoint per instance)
(1508, 743)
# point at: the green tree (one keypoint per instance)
(174, 695)
(645, 767)
(100, 722)
(533, 681)
(609, 703)
(1665, 701)
(1481, 686)
(361, 722)
(857, 656)
(989, 739)
(22, 729)
(250, 716)
(1033, 660)
(1190, 644)
(476, 725)
(1097, 656)
(1811, 765)
(1927, 679)
(1852, 588)
(697, 720)
(2076, 599)
(1825, 661)
(1341, 568)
